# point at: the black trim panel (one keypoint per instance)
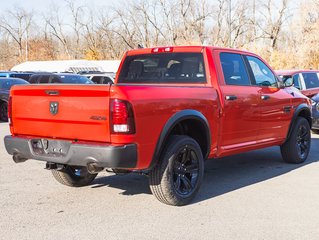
(110, 156)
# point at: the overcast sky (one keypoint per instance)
(42, 5)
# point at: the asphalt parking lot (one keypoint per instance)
(248, 196)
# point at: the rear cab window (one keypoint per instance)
(163, 68)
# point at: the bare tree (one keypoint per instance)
(57, 28)
(77, 13)
(275, 18)
(72, 31)
(17, 25)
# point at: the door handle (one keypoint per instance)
(231, 97)
(264, 97)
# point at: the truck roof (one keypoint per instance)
(180, 49)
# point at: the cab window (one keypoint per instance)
(262, 74)
(234, 69)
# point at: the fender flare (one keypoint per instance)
(301, 107)
(171, 123)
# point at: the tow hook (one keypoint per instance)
(50, 166)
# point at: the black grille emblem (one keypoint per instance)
(54, 108)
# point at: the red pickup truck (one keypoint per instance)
(169, 109)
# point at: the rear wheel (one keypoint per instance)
(4, 112)
(73, 176)
(297, 147)
(176, 179)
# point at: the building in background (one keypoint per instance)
(74, 66)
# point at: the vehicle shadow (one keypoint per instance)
(231, 173)
(222, 175)
(131, 184)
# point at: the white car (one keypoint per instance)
(100, 78)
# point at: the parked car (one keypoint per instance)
(88, 72)
(101, 78)
(59, 78)
(307, 81)
(5, 86)
(23, 75)
(170, 109)
(315, 113)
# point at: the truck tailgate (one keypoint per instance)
(75, 112)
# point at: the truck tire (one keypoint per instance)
(176, 178)
(296, 148)
(4, 112)
(73, 176)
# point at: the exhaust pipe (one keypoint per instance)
(17, 159)
(93, 168)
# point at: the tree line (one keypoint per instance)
(285, 33)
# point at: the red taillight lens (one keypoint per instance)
(122, 117)
(10, 111)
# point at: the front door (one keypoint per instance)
(275, 103)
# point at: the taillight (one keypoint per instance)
(122, 117)
(10, 111)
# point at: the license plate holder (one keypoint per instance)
(49, 147)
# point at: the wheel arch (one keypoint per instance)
(304, 111)
(186, 122)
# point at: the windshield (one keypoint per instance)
(163, 68)
(74, 79)
(311, 80)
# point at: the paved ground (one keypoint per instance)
(249, 196)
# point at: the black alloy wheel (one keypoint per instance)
(297, 147)
(186, 171)
(176, 178)
(303, 141)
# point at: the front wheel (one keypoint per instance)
(176, 179)
(297, 147)
(73, 176)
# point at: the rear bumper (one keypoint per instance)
(77, 154)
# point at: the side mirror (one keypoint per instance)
(281, 83)
(288, 82)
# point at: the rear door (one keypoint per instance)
(240, 116)
(275, 103)
(75, 112)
